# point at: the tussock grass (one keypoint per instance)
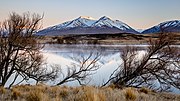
(42, 92)
(34, 96)
(2, 90)
(144, 90)
(15, 94)
(130, 94)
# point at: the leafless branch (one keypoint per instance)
(84, 67)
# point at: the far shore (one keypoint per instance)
(104, 39)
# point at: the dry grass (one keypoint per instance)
(2, 90)
(144, 90)
(83, 93)
(130, 94)
(34, 96)
(15, 94)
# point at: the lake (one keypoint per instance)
(110, 58)
(63, 55)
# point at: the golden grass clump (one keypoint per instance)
(85, 94)
(112, 86)
(15, 93)
(39, 92)
(34, 96)
(41, 87)
(101, 96)
(2, 90)
(130, 94)
(144, 90)
(76, 90)
(23, 88)
(88, 93)
(54, 91)
(63, 92)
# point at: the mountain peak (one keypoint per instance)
(169, 23)
(105, 17)
(86, 17)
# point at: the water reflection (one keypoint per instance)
(110, 57)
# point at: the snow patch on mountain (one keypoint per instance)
(82, 21)
(106, 21)
(139, 30)
(170, 23)
(168, 26)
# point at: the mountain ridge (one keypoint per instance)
(88, 25)
(105, 25)
(166, 26)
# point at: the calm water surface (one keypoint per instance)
(110, 58)
(64, 55)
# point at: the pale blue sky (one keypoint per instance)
(139, 14)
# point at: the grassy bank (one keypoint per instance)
(123, 38)
(82, 93)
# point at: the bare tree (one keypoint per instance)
(20, 51)
(158, 68)
(81, 69)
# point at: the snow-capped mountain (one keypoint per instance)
(168, 26)
(110, 23)
(88, 25)
(81, 21)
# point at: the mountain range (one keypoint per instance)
(104, 25)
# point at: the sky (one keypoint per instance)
(139, 14)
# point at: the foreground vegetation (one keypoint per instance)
(83, 93)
